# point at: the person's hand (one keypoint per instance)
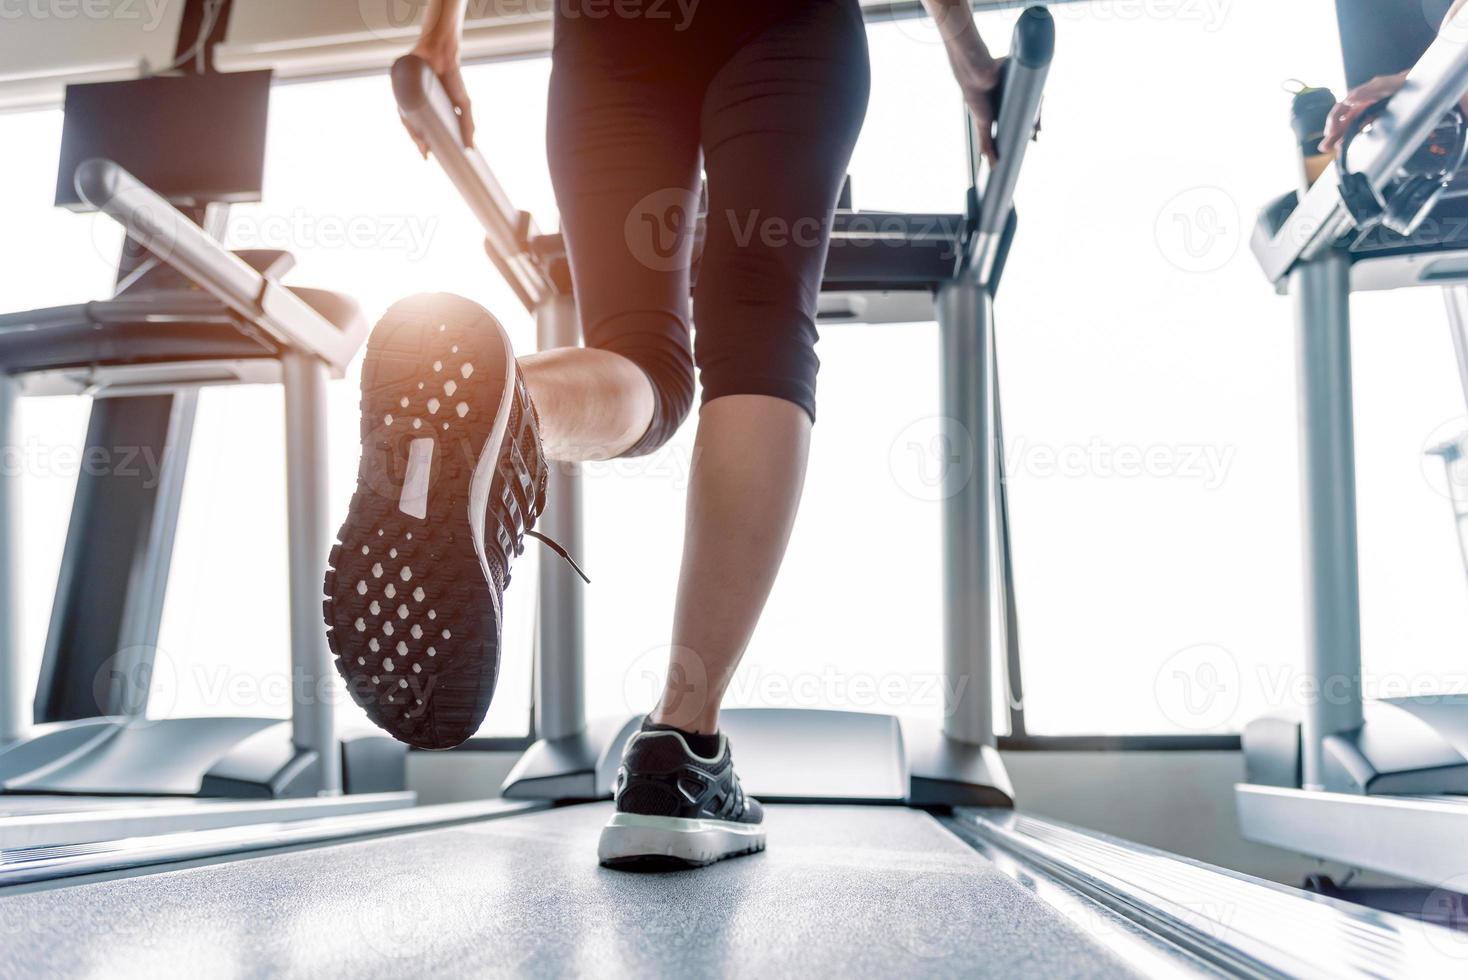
(978, 79)
(443, 58)
(1357, 101)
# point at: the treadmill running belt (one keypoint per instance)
(854, 891)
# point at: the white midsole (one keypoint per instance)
(483, 480)
(629, 835)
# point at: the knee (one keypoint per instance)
(668, 364)
(768, 356)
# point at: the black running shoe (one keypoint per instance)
(451, 479)
(676, 808)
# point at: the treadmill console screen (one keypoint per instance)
(192, 138)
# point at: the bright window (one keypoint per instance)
(1149, 381)
(1148, 370)
(347, 194)
(1148, 378)
(51, 257)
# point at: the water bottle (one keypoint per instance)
(1308, 115)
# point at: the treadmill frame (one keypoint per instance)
(1324, 786)
(263, 757)
(12, 694)
(960, 763)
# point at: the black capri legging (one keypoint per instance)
(767, 98)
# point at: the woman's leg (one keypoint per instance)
(621, 139)
(593, 404)
(779, 122)
(749, 469)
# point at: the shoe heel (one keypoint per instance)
(630, 839)
(415, 634)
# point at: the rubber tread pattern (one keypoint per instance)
(413, 615)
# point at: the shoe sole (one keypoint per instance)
(415, 636)
(632, 840)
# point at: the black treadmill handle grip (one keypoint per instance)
(1034, 38)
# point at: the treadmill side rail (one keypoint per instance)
(1419, 838)
(49, 862)
(12, 697)
(1236, 923)
(87, 822)
(170, 235)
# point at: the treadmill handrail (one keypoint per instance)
(169, 234)
(1434, 85)
(148, 307)
(1031, 53)
(509, 234)
(425, 105)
